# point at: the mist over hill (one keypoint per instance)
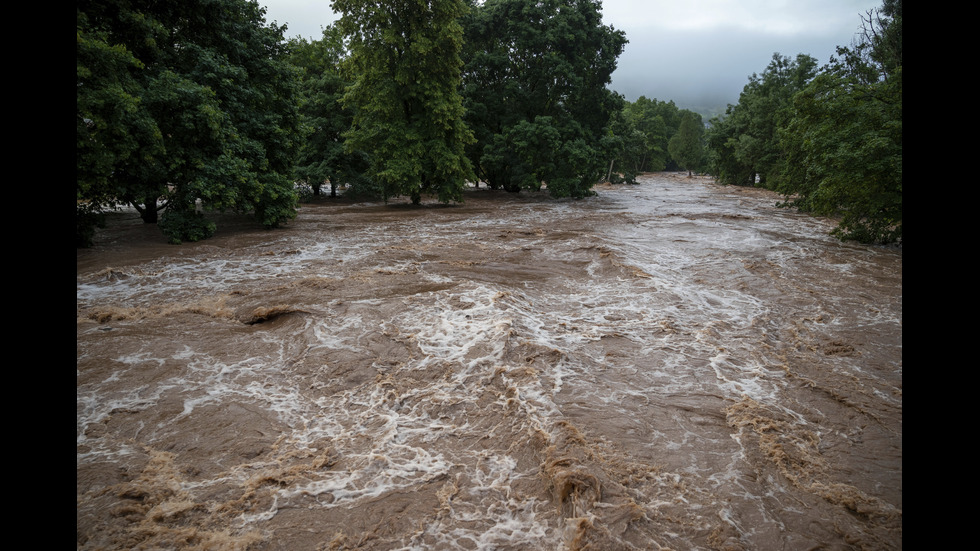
(705, 71)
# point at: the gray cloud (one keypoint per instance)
(706, 68)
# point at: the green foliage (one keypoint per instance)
(644, 133)
(657, 121)
(87, 220)
(186, 225)
(404, 67)
(624, 146)
(685, 146)
(844, 142)
(746, 148)
(179, 103)
(112, 126)
(323, 158)
(535, 90)
(724, 164)
(830, 141)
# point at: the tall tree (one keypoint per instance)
(627, 149)
(651, 117)
(323, 158)
(535, 87)
(685, 146)
(751, 152)
(405, 68)
(844, 142)
(722, 139)
(658, 121)
(112, 128)
(203, 114)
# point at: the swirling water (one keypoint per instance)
(671, 365)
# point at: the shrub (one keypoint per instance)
(86, 220)
(180, 226)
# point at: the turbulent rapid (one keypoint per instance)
(671, 365)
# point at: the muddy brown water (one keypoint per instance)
(672, 365)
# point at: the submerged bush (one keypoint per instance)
(180, 226)
(304, 192)
(87, 219)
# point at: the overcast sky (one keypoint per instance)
(698, 53)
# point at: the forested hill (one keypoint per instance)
(190, 108)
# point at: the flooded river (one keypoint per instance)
(672, 365)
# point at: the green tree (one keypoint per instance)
(685, 146)
(721, 139)
(656, 122)
(535, 89)
(323, 157)
(844, 142)
(184, 105)
(649, 117)
(405, 71)
(746, 148)
(111, 127)
(626, 147)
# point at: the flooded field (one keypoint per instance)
(672, 365)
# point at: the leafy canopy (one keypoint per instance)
(845, 140)
(184, 105)
(404, 70)
(685, 145)
(830, 140)
(535, 90)
(322, 156)
(746, 147)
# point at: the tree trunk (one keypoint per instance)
(150, 212)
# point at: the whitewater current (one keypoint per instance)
(669, 365)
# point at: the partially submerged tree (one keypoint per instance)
(626, 147)
(658, 121)
(536, 97)
(829, 141)
(323, 158)
(844, 142)
(111, 127)
(184, 105)
(685, 146)
(404, 67)
(747, 149)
